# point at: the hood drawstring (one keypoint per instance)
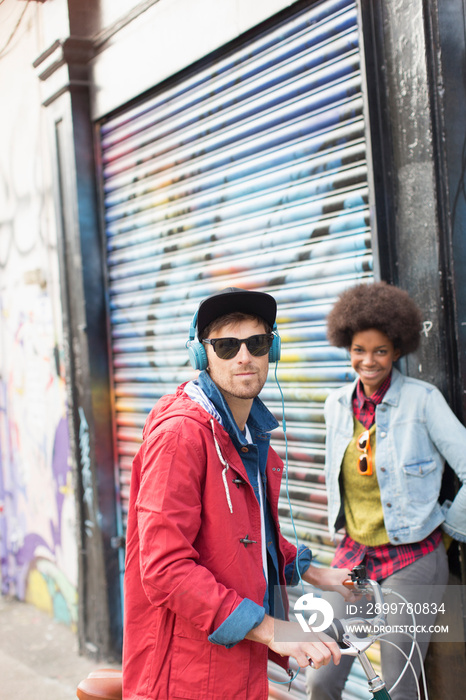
(225, 464)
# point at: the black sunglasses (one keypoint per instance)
(227, 348)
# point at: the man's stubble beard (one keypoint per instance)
(228, 388)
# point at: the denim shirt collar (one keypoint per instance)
(260, 419)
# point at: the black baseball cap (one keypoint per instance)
(235, 299)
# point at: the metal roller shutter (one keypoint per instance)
(251, 172)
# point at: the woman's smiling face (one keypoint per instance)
(372, 356)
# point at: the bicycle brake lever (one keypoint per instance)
(355, 645)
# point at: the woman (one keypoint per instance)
(388, 437)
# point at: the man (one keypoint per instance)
(204, 551)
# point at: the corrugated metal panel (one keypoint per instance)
(251, 172)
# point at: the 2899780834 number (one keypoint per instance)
(398, 608)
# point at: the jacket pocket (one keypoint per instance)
(420, 469)
(421, 480)
(190, 668)
(202, 671)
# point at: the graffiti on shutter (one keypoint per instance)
(250, 172)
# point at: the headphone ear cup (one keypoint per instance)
(197, 355)
(275, 350)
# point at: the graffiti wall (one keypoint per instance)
(38, 550)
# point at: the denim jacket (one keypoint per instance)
(416, 432)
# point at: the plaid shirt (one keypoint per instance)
(364, 407)
(385, 559)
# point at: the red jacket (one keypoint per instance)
(186, 569)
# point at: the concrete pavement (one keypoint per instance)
(39, 658)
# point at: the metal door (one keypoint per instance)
(250, 171)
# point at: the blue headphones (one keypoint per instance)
(197, 352)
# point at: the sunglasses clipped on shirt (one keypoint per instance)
(227, 348)
(365, 460)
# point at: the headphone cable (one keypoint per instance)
(286, 476)
(290, 680)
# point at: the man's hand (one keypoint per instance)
(303, 646)
(329, 579)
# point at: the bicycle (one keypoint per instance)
(354, 644)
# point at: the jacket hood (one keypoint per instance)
(172, 406)
(180, 405)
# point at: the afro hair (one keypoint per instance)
(378, 305)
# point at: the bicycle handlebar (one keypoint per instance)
(355, 635)
(342, 630)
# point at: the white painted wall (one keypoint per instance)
(169, 36)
